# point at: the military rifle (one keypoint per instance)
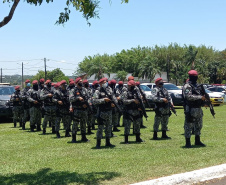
(85, 98)
(208, 102)
(141, 105)
(144, 96)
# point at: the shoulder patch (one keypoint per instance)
(186, 91)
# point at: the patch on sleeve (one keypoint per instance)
(154, 91)
(186, 91)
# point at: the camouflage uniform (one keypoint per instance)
(104, 113)
(80, 112)
(94, 117)
(119, 94)
(162, 110)
(90, 113)
(115, 113)
(193, 111)
(26, 106)
(63, 110)
(35, 109)
(49, 107)
(131, 113)
(17, 107)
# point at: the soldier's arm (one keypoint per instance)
(155, 97)
(125, 99)
(71, 96)
(96, 100)
(188, 94)
(29, 98)
(43, 95)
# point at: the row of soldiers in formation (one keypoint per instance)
(105, 103)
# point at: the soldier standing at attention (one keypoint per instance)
(63, 106)
(41, 83)
(104, 112)
(193, 100)
(35, 106)
(26, 104)
(16, 98)
(132, 111)
(77, 98)
(49, 106)
(162, 99)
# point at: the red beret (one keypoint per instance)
(109, 83)
(95, 82)
(113, 82)
(102, 79)
(48, 81)
(85, 81)
(192, 73)
(120, 82)
(57, 84)
(72, 82)
(130, 78)
(63, 82)
(42, 80)
(77, 80)
(35, 82)
(17, 87)
(52, 84)
(131, 83)
(157, 80)
(137, 83)
(27, 81)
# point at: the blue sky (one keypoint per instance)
(32, 33)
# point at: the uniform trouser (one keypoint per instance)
(163, 119)
(136, 119)
(94, 117)
(115, 119)
(50, 115)
(193, 119)
(80, 116)
(17, 113)
(26, 115)
(35, 116)
(104, 123)
(89, 119)
(66, 119)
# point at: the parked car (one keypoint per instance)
(5, 105)
(148, 94)
(217, 89)
(216, 98)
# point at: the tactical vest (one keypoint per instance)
(64, 97)
(48, 101)
(132, 106)
(196, 103)
(17, 103)
(107, 105)
(161, 95)
(35, 96)
(79, 104)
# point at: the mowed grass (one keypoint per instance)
(31, 158)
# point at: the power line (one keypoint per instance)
(20, 60)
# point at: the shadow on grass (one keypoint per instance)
(46, 176)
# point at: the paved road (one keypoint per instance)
(220, 181)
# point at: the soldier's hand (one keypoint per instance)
(203, 98)
(60, 102)
(112, 105)
(17, 99)
(84, 106)
(136, 101)
(81, 99)
(35, 102)
(107, 99)
(118, 98)
(165, 100)
(50, 95)
(139, 109)
(71, 109)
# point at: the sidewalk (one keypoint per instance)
(188, 178)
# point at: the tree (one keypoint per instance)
(88, 8)
(121, 75)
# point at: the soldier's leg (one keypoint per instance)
(137, 124)
(32, 119)
(67, 122)
(164, 123)
(76, 120)
(89, 123)
(187, 130)
(15, 116)
(156, 126)
(197, 128)
(115, 121)
(83, 122)
(57, 126)
(38, 118)
(108, 128)
(25, 118)
(99, 133)
(127, 125)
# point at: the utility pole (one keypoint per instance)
(1, 75)
(45, 67)
(22, 75)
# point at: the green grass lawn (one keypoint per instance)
(32, 158)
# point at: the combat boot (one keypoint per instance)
(23, 126)
(32, 128)
(44, 131)
(98, 143)
(155, 137)
(115, 129)
(53, 130)
(198, 142)
(188, 143)
(84, 138)
(138, 139)
(108, 143)
(89, 130)
(73, 138)
(57, 134)
(14, 124)
(67, 134)
(164, 135)
(39, 128)
(126, 139)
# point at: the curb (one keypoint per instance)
(189, 177)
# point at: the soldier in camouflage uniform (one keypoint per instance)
(132, 112)
(63, 106)
(26, 104)
(78, 97)
(49, 106)
(193, 100)
(118, 94)
(162, 99)
(16, 98)
(35, 107)
(90, 112)
(104, 112)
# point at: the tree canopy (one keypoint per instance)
(88, 8)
